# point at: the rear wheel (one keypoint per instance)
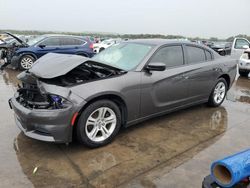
(26, 62)
(99, 123)
(243, 73)
(218, 93)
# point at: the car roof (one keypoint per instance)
(61, 35)
(160, 41)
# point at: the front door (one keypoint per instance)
(51, 44)
(164, 90)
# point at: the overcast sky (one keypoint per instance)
(204, 18)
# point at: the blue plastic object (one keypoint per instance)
(232, 169)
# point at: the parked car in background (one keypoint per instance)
(222, 48)
(244, 63)
(238, 47)
(24, 55)
(125, 84)
(98, 47)
(8, 47)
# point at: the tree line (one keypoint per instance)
(114, 35)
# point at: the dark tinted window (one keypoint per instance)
(71, 41)
(208, 55)
(51, 42)
(195, 55)
(172, 56)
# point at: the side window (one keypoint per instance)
(51, 42)
(195, 54)
(172, 56)
(208, 55)
(240, 43)
(79, 42)
(71, 41)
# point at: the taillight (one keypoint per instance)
(91, 46)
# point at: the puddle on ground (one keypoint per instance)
(135, 151)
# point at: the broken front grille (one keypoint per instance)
(30, 97)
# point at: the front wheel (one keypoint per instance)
(99, 123)
(218, 93)
(26, 62)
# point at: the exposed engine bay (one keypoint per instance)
(31, 97)
(83, 73)
(8, 50)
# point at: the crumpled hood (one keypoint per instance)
(17, 38)
(53, 65)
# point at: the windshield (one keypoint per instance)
(35, 40)
(125, 56)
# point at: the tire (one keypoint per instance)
(218, 93)
(101, 49)
(26, 62)
(243, 73)
(92, 129)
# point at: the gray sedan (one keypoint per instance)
(66, 96)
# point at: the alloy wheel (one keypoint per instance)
(219, 92)
(27, 62)
(101, 124)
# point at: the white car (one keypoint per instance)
(244, 63)
(98, 47)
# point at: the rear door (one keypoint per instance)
(71, 45)
(164, 90)
(201, 72)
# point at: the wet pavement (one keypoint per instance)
(175, 150)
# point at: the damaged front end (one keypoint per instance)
(44, 105)
(41, 114)
(8, 48)
(31, 97)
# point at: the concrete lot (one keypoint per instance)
(172, 151)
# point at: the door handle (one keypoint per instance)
(181, 77)
(216, 69)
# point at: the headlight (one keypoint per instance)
(59, 102)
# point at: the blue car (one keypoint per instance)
(23, 55)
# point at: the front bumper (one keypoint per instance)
(45, 125)
(244, 65)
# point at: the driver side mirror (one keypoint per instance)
(245, 46)
(42, 45)
(156, 66)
